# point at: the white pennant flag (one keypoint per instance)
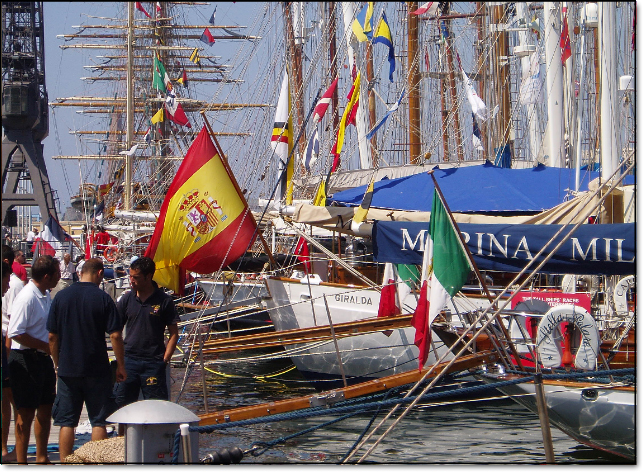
(477, 105)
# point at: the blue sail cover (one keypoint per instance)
(608, 249)
(475, 189)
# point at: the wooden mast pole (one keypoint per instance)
(454, 98)
(415, 147)
(130, 105)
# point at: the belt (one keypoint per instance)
(31, 351)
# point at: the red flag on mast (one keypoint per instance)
(139, 7)
(565, 44)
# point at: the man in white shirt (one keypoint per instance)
(33, 377)
(15, 285)
(31, 235)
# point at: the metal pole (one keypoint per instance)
(185, 440)
(332, 332)
(205, 390)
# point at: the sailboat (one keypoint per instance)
(512, 135)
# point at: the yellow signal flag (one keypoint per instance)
(158, 117)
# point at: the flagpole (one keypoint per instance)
(475, 268)
(226, 166)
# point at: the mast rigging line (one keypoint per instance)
(543, 250)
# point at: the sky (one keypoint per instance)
(63, 69)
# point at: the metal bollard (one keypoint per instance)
(185, 440)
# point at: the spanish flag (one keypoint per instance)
(204, 223)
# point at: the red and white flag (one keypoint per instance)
(158, 8)
(139, 7)
(175, 111)
(324, 102)
(429, 7)
(389, 303)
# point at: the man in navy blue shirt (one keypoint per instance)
(79, 317)
(146, 311)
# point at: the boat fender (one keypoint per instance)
(110, 253)
(224, 456)
(620, 295)
(549, 337)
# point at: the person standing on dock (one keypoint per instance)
(15, 285)
(18, 267)
(146, 310)
(33, 377)
(80, 316)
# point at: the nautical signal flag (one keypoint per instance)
(158, 8)
(389, 112)
(389, 302)
(161, 81)
(158, 117)
(477, 105)
(565, 44)
(429, 7)
(281, 143)
(476, 137)
(445, 268)
(214, 13)
(383, 36)
(139, 7)
(322, 105)
(204, 223)
(362, 210)
(148, 135)
(362, 24)
(183, 80)
(194, 57)
(105, 188)
(303, 254)
(175, 111)
(207, 37)
(354, 96)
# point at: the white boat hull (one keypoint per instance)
(597, 416)
(295, 305)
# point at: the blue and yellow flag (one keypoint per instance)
(362, 24)
(383, 35)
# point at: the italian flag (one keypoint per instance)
(445, 268)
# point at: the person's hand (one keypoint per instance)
(121, 374)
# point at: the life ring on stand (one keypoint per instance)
(550, 339)
(621, 305)
(110, 253)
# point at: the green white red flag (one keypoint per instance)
(445, 268)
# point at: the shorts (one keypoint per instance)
(94, 392)
(5, 365)
(33, 378)
(147, 376)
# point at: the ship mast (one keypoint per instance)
(130, 105)
(415, 149)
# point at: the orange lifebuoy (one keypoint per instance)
(110, 253)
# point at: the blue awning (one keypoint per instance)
(476, 189)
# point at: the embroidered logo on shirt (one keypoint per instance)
(155, 309)
(151, 381)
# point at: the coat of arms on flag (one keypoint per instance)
(201, 213)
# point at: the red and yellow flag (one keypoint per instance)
(204, 223)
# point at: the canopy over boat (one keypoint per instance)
(602, 249)
(483, 188)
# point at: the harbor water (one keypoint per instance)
(467, 432)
